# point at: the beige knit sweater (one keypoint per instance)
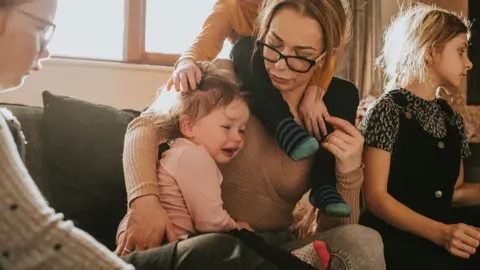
(32, 235)
(261, 186)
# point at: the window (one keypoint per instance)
(89, 29)
(137, 31)
(173, 32)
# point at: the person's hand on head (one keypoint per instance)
(312, 112)
(146, 226)
(345, 143)
(186, 76)
(460, 240)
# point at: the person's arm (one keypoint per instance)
(465, 194)
(32, 235)
(199, 180)
(215, 31)
(140, 155)
(146, 223)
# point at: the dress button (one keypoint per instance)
(408, 115)
(13, 207)
(441, 145)
(6, 254)
(438, 194)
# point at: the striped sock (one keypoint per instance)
(330, 202)
(296, 143)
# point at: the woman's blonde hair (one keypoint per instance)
(332, 15)
(416, 31)
(215, 90)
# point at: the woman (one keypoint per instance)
(262, 185)
(32, 235)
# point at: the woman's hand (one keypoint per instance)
(461, 240)
(187, 73)
(146, 226)
(345, 143)
(312, 111)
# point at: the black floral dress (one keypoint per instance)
(427, 140)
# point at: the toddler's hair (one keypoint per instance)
(216, 89)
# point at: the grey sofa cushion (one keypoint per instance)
(83, 149)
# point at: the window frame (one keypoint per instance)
(134, 39)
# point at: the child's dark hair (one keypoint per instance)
(216, 89)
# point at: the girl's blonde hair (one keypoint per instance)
(215, 90)
(416, 31)
(332, 15)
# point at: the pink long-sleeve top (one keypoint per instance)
(189, 190)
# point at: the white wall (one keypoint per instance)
(115, 84)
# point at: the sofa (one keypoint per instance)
(74, 154)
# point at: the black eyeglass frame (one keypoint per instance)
(261, 44)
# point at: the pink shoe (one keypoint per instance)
(315, 254)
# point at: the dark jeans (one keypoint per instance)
(209, 251)
(351, 247)
(426, 255)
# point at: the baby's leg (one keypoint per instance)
(268, 103)
(324, 194)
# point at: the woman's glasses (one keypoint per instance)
(46, 34)
(296, 63)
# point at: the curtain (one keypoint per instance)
(358, 61)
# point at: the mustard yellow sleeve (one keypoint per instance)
(216, 29)
(323, 78)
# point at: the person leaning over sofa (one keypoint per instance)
(32, 235)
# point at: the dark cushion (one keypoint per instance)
(83, 149)
(472, 164)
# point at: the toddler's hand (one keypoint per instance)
(243, 225)
(187, 73)
(312, 112)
